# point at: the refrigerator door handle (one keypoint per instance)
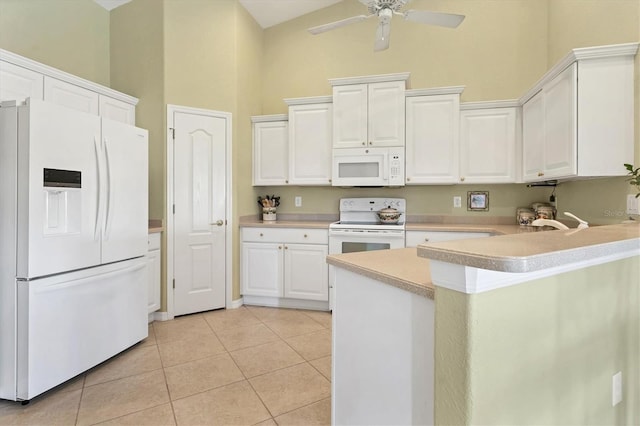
(108, 202)
(97, 227)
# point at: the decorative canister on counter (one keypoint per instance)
(268, 213)
(525, 216)
(545, 212)
(269, 204)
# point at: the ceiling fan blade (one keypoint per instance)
(382, 36)
(333, 25)
(449, 20)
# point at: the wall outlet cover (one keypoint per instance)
(457, 201)
(298, 201)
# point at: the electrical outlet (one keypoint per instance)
(457, 201)
(632, 204)
(298, 201)
(616, 389)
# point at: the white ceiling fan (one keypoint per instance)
(384, 10)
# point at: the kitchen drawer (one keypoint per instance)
(286, 235)
(153, 241)
(414, 238)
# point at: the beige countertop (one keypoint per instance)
(155, 225)
(471, 227)
(400, 268)
(532, 251)
(289, 221)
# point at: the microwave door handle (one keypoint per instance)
(385, 169)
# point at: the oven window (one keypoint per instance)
(355, 247)
(356, 170)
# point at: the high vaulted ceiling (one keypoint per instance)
(267, 13)
(273, 12)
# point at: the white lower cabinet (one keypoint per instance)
(285, 267)
(414, 238)
(153, 272)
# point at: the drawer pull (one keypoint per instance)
(305, 235)
(286, 248)
(279, 247)
(261, 234)
(426, 239)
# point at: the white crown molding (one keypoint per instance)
(450, 90)
(309, 100)
(404, 76)
(46, 70)
(268, 118)
(510, 103)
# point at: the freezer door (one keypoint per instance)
(126, 191)
(69, 323)
(57, 189)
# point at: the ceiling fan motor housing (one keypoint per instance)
(376, 6)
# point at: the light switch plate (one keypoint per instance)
(616, 389)
(632, 204)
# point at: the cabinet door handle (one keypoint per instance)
(426, 239)
(462, 179)
(279, 247)
(261, 234)
(408, 179)
(305, 235)
(370, 143)
(286, 248)
(540, 174)
(286, 181)
(364, 143)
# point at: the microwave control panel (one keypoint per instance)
(396, 167)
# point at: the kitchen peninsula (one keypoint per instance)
(511, 329)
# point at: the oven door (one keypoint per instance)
(350, 241)
(360, 167)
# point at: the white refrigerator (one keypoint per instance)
(73, 233)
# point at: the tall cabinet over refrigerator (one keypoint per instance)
(73, 227)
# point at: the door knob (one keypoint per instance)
(218, 222)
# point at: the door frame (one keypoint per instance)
(171, 110)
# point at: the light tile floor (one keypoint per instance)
(247, 366)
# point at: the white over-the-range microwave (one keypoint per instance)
(368, 166)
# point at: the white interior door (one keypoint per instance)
(199, 194)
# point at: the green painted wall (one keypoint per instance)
(542, 352)
(71, 35)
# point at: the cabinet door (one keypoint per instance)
(560, 118)
(116, 110)
(270, 153)
(306, 273)
(533, 139)
(432, 139)
(488, 145)
(350, 116)
(153, 275)
(261, 269)
(71, 96)
(17, 83)
(386, 113)
(310, 144)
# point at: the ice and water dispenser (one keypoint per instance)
(63, 202)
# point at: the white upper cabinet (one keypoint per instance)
(270, 150)
(578, 120)
(71, 96)
(22, 78)
(432, 129)
(488, 143)
(310, 141)
(369, 111)
(19, 83)
(116, 110)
